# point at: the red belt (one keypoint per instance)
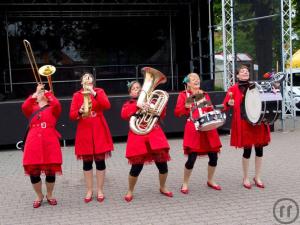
(41, 125)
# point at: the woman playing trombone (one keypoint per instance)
(42, 152)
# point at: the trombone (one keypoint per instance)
(46, 70)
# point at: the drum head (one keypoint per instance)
(212, 125)
(253, 105)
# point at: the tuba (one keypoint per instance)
(143, 121)
(46, 70)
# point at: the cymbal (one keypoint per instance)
(194, 98)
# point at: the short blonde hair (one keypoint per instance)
(189, 77)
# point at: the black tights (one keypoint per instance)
(213, 159)
(258, 152)
(137, 168)
(36, 179)
(88, 165)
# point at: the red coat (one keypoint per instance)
(93, 135)
(42, 148)
(201, 142)
(244, 134)
(145, 148)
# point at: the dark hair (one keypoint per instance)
(243, 66)
(90, 74)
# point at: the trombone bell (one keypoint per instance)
(47, 70)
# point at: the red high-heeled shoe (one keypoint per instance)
(87, 200)
(51, 201)
(184, 191)
(168, 194)
(128, 198)
(37, 204)
(247, 186)
(216, 187)
(100, 198)
(260, 185)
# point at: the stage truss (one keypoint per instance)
(288, 106)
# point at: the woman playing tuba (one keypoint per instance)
(151, 102)
(146, 142)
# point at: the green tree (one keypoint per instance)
(296, 24)
(241, 37)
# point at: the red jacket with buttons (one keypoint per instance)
(201, 142)
(93, 134)
(137, 145)
(42, 145)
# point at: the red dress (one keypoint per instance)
(93, 140)
(42, 152)
(244, 134)
(201, 142)
(145, 148)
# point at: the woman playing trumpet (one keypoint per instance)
(93, 141)
(197, 143)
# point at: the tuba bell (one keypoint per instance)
(143, 121)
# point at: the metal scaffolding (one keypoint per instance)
(94, 2)
(91, 8)
(288, 105)
(27, 9)
(228, 43)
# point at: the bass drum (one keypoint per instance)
(260, 105)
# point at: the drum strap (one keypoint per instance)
(243, 86)
(28, 126)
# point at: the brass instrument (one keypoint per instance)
(46, 70)
(87, 101)
(143, 122)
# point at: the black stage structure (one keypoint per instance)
(113, 39)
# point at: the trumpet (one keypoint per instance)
(87, 101)
(46, 70)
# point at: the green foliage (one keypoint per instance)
(217, 9)
(245, 31)
(218, 42)
(296, 24)
(217, 88)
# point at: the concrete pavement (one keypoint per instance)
(233, 205)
